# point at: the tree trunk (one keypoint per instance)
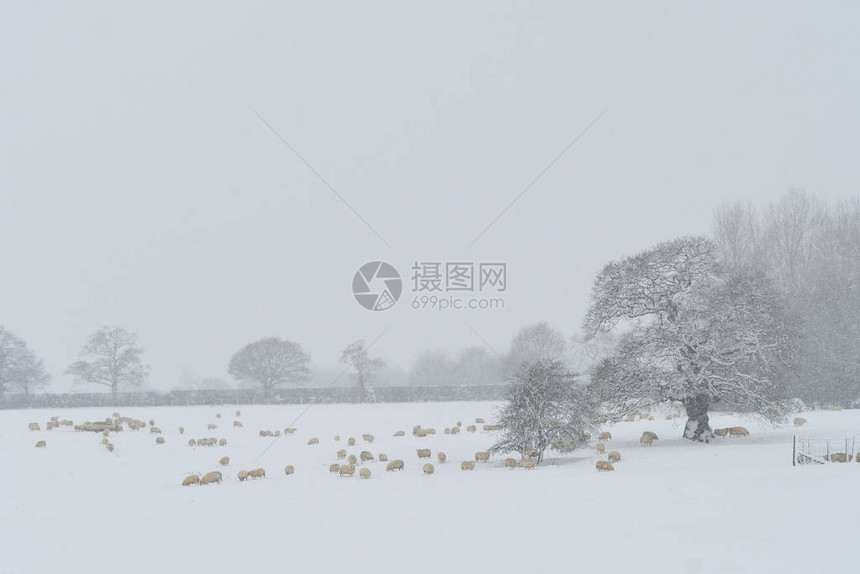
(697, 427)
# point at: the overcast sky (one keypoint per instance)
(138, 187)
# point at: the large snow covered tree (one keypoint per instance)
(20, 369)
(538, 342)
(269, 363)
(110, 358)
(690, 331)
(545, 406)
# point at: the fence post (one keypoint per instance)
(794, 451)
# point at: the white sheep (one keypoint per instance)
(192, 479)
(242, 475)
(510, 463)
(341, 454)
(471, 428)
(799, 421)
(605, 436)
(333, 467)
(600, 447)
(423, 452)
(480, 421)
(222, 442)
(382, 457)
(237, 424)
(738, 431)
(482, 456)
(428, 468)
(365, 456)
(289, 469)
(314, 441)
(181, 430)
(603, 465)
(346, 470)
(34, 426)
(350, 441)
(614, 456)
(210, 426)
(352, 460)
(41, 444)
(400, 433)
(455, 430)
(367, 437)
(159, 440)
(238, 413)
(364, 473)
(154, 430)
(211, 477)
(467, 465)
(441, 457)
(224, 461)
(257, 473)
(289, 430)
(528, 464)
(394, 465)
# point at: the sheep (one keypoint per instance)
(467, 465)
(858, 457)
(471, 428)
(493, 427)
(602, 465)
(367, 437)
(105, 440)
(455, 430)
(799, 421)
(243, 475)
(337, 438)
(181, 430)
(365, 456)
(600, 448)
(224, 460)
(630, 418)
(382, 457)
(394, 465)
(222, 442)
(277, 433)
(257, 473)
(400, 433)
(192, 442)
(211, 477)
(459, 423)
(428, 468)
(528, 464)
(429, 431)
(192, 479)
(109, 447)
(314, 441)
(480, 421)
(482, 456)
(645, 440)
(154, 430)
(352, 460)
(650, 418)
(423, 452)
(237, 424)
(34, 426)
(66, 423)
(420, 433)
(447, 430)
(41, 444)
(614, 456)
(289, 469)
(721, 432)
(415, 429)
(217, 415)
(289, 430)
(441, 457)
(738, 431)
(651, 434)
(265, 433)
(838, 457)
(510, 463)
(605, 436)
(333, 467)
(346, 470)
(341, 454)
(668, 417)
(159, 440)
(350, 441)
(364, 473)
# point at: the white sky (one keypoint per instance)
(138, 187)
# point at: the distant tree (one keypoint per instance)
(545, 406)
(110, 358)
(270, 362)
(20, 369)
(475, 366)
(431, 368)
(363, 365)
(538, 342)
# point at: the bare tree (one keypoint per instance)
(431, 368)
(356, 356)
(110, 358)
(20, 369)
(692, 332)
(545, 406)
(270, 362)
(538, 342)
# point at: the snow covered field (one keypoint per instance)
(736, 505)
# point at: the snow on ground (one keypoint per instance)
(736, 505)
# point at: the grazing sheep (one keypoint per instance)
(34, 426)
(154, 430)
(237, 424)
(650, 434)
(289, 469)
(217, 415)
(602, 465)
(365, 456)
(41, 444)
(416, 428)
(614, 456)
(467, 465)
(668, 417)
(605, 436)
(224, 461)
(333, 467)
(314, 441)
(428, 468)
(471, 428)
(364, 473)
(341, 454)
(192, 442)
(738, 431)
(858, 457)
(447, 430)
(66, 423)
(482, 456)
(600, 448)
(367, 437)
(400, 433)
(192, 479)
(494, 427)
(420, 433)
(277, 433)
(181, 430)
(289, 430)
(382, 457)
(429, 431)
(510, 463)
(264, 433)
(528, 464)
(350, 441)
(222, 442)
(441, 457)
(480, 421)
(645, 440)
(630, 418)
(109, 447)
(459, 423)
(346, 470)
(257, 473)
(394, 465)
(243, 475)
(336, 438)
(423, 452)
(721, 432)
(799, 421)
(238, 413)
(352, 460)
(838, 457)
(159, 440)
(105, 440)
(455, 430)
